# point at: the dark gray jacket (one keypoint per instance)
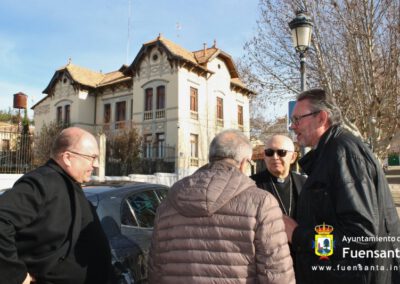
(346, 188)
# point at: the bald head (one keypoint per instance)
(76, 151)
(282, 141)
(278, 164)
(71, 138)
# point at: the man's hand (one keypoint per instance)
(290, 225)
(29, 279)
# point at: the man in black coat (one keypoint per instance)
(49, 233)
(278, 179)
(348, 228)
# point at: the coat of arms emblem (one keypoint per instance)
(323, 241)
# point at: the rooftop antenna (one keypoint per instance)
(129, 30)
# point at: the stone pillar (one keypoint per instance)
(102, 157)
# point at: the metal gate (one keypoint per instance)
(16, 151)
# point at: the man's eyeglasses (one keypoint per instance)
(270, 152)
(91, 158)
(296, 119)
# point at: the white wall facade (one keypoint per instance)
(175, 121)
(82, 106)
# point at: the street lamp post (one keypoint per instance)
(301, 28)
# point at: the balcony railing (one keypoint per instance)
(194, 115)
(165, 152)
(160, 113)
(148, 115)
(194, 162)
(220, 122)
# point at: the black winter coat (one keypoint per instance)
(347, 189)
(263, 180)
(49, 229)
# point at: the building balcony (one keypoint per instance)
(165, 152)
(194, 162)
(194, 115)
(148, 115)
(160, 113)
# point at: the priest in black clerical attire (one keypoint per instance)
(278, 179)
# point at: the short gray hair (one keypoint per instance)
(320, 101)
(230, 144)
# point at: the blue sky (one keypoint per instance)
(39, 36)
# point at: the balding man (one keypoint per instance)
(285, 185)
(49, 233)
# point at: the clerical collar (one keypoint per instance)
(280, 180)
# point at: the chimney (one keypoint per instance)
(215, 43)
(204, 49)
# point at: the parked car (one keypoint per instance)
(126, 212)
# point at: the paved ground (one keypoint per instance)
(393, 177)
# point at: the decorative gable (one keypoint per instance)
(197, 62)
(176, 56)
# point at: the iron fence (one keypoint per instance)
(17, 155)
(160, 159)
(16, 151)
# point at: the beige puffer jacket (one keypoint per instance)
(216, 226)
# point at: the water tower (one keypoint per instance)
(20, 100)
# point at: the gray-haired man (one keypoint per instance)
(347, 190)
(216, 226)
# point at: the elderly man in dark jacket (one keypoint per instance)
(49, 233)
(348, 227)
(278, 179)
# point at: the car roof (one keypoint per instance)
(119, 189)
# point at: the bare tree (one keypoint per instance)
(262, 129)
(44, 142)
(123, 150)
(355, 56)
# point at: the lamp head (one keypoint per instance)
(301, 28)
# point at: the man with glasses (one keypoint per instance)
(278, 179)
(346, 190)
(49, 233)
